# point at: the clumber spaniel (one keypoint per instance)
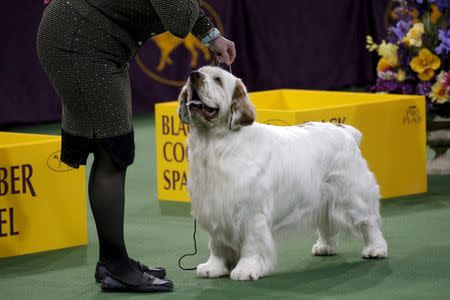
(249, 180)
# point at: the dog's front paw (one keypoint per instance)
(320, 249)
(212, 269)
(248, 270)
(378, 251)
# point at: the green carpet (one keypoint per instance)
(417, 230)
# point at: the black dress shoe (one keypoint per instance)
(147, 284)
(100, 270)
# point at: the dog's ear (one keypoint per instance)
(242, 112)
(182, 108)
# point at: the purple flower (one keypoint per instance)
(386, 85)
(442, 4)
(393, 86)
(444, 37)
(423, 88)
(401, 29)
(406, 88)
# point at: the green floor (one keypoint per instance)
(417, 229)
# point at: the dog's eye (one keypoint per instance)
(218, 80)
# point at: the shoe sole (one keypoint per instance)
(109, 290)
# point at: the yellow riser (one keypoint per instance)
(393, 126)
(42, 200)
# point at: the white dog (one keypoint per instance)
(248, 180)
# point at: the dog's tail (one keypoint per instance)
(355, 133)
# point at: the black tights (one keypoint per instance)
(107, 199)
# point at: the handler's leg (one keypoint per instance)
(107, 199)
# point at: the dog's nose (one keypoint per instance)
(195, 75)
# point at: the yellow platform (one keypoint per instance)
(42, 200)
(393, 128)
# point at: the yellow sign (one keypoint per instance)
(171, 137)
(393, 128)
(42, 200)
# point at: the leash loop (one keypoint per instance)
(190, 254)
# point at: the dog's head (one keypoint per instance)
(212, 97)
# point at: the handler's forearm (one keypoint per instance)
(180, 17)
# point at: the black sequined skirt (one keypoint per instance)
(76, 149)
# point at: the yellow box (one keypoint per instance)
(393, 126)
(42, 200)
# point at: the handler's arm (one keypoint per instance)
(180, 17)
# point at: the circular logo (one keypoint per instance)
(175, 54)
(54, 163)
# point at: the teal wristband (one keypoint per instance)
(211, 36)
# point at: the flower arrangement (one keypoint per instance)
(415, 57)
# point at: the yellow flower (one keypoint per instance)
(371, 46)
(435, 13)
(425, 64)
(401, 75)
(389, 52)
(382, 65)
(414, 36)
(438, 93)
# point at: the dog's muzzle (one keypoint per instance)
(197, 105)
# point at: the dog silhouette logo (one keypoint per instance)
(167, 43)
(54, 163)
(412, 116)
(171, 50)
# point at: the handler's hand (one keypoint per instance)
(224, 50)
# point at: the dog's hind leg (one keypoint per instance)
(258, 253)
(216, 266)
(375, 245)
(366, 219)
(327, 230)
(360, 194)
(327, 243)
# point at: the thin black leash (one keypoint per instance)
(195, 225)
(190, 254)
(229, 67)
(217, 63)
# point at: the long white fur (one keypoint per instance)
(246, 184)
